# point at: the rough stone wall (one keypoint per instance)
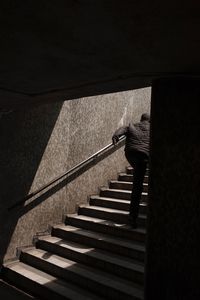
(42, 143)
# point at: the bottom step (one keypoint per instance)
(86, 277)
(8, 291)
(41, 284)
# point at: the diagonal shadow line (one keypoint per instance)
(23, 210)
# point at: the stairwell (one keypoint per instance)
(93, 255)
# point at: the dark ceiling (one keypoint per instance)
(58, 50)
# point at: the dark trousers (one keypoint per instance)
(138, 161)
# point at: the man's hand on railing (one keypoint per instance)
(115, 139)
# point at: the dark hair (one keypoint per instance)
(145, 117)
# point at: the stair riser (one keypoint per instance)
(100, 244)
(103, 228)
(125, 186)
(31, 287)
(92, 261)
(115, 205)
(120, 195)
(129, 178)
(116, 217)
(130, 171)
(69, 274)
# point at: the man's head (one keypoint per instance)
(145, 117)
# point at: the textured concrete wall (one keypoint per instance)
(173, 246)
(42, 143)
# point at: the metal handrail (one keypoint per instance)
(72, 170)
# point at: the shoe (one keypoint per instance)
(132, 222)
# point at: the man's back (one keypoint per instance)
(137, 137)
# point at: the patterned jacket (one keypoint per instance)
(137, 136)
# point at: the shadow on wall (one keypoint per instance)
(59, 182)
(24, 136)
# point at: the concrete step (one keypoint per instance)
(129, 177)
(106, 226)
(95, 255)
(94, 280)
(120, 194)
(125, 185)
(108, 262)
(102, 241)
(129, 170)
(115, 203)
(8, 291)
(116, 215)
(42, 284)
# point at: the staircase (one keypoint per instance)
(94, 255)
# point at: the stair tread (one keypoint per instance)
(61, 287)
(110, 199)
(87, 272)
(131, 175)
(126, 182)
(115, 199)
(100, 254)
(129, 168)
(125, 174)
(119, 190)
(101, 236)
(111, 210)
(106, 222)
